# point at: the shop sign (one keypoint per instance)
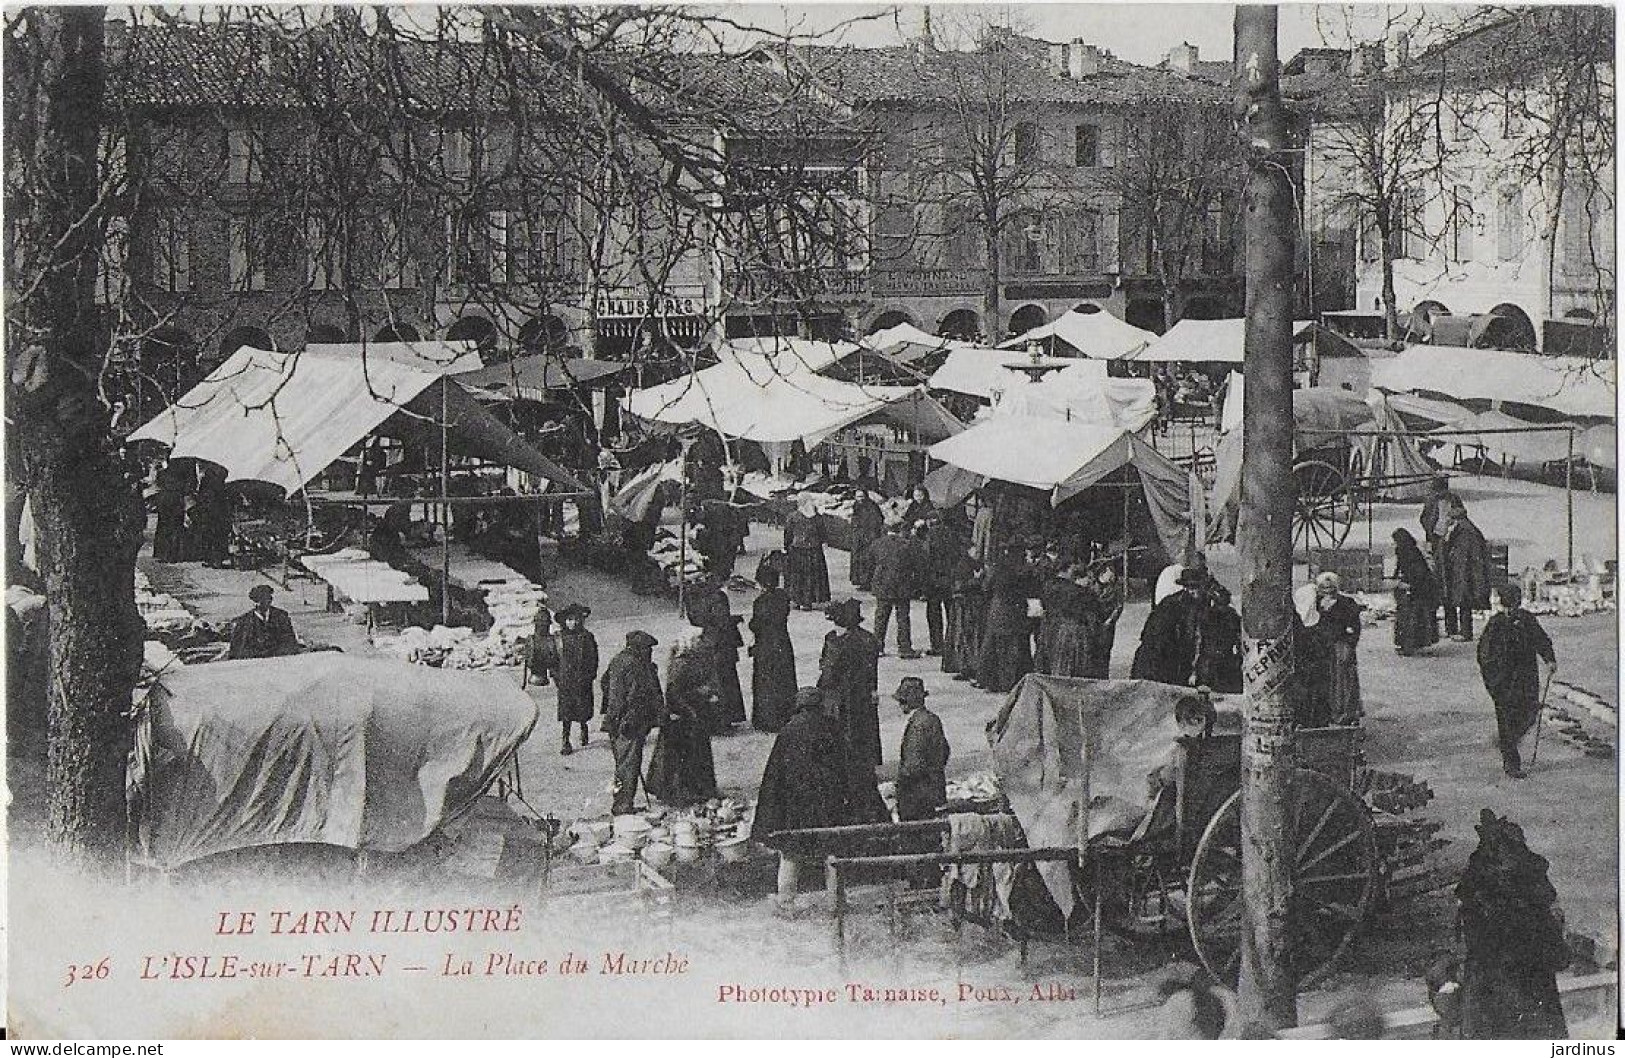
(663, 306)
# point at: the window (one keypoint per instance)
(110, 263)
(1512, 121)
(1509, 229)
(1403, 224)
(393, 155)
(1580, 248)
(1462, 222)
(1024, 246)
(1216, 239)
(493, 153)
(961, 239)
(324, 253)
(391, 244)
(1086, 152)
(1080, 242)
(458, 259)
(245, 262)
(1028, 150)
(456, 152)
(172, 259)
(496, 247)
(242, 156)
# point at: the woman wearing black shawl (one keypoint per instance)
(773, 656)
(682, 770)
(1006, 654)
(1416, 597)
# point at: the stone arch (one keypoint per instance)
(543, 334)
(1203, 308)
(963, 324)
(889, 318)
(323, 334)
(238, 337)
(477, 329)
(1508, 327)
(1087, 308)
(166, 365)
(398, 332)
(1026, 318)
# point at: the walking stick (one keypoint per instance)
(1540, 716)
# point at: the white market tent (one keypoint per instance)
(1568, 385)
(1083, 393)
(1065, 458)
(982, 372)
(776, 355)
(772, 408)
(1098, 335)
(283, 418)
(1207, 342)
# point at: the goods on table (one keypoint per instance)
(660, 835)
(669, 554)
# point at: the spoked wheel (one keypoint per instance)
(1324, 511)
(1334, 879)
(1141, 897)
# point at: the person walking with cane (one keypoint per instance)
(1510, 653)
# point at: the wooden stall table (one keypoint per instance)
(366, 581)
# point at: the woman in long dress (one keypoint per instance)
(682, 770)
(773, 656)
(577, 673)
(1338, 633)
(1416, 597)
(868, 525)
(1071, 625)
(808, 573)
(966, 606)
(1006, 654)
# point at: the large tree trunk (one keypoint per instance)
(992, 310)
(1264, 532)
(84, 504)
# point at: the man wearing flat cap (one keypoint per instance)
(922, 780)
(633, 706)
(266, 631)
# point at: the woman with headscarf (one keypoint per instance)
(1416, 597)
(868, 525)
(682, 770)
(849, 676)
(1109, 590)
(1071, 623)
(169, 536)
(807, 574)
(920, 508)
(773, 656)
(1335, 635)
(966, 608)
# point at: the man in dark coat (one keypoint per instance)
(577, 671)
(804, 784)
(896, 580)
(266, 631)
(723, 529)
(169, 535)
(634, 705)
(1509, 654)
(868, 525)
(1168, 642)
(1218, 655)
(922, 780)
(1439, 501)
(1464, 568)
(942, 551)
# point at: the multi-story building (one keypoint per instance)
(1043, 144)
(1503, 203)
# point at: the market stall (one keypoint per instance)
(1082, 392)
(1574, 387)
(1208, 342)
(1097, 335)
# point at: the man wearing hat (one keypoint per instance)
(266, 631)
(1171, 636)
(633, 707)
(922, 780)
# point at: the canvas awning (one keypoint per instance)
(773, 408)
(1064, 458)
(1207, 342)
(283, 418)
(906, 343)
(532, 377)
(1565, 384)
(983, 372)
(1072, 756)
(328, 748)
(1098, 335)
(1083, 393)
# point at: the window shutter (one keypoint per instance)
(1510, 229)
(1110, 256)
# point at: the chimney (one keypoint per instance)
(1059, 56)
(1366, 59)
(1083, 60)
(1183, 57)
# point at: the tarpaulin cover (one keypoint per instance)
(364, 754)
(471, 430)
(283, 418)
(1083, 393)
(1098, 335)
(982, 372)
(1208, 341)
(1568, 385)
(441, 358)
(1064, 459)
(757, 405)
(1544, 447)
(1072, 756)
(634, 498)
(906, 343)
(531, 377)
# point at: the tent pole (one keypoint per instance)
(445, 511)
(1568, 496)
(682, 538)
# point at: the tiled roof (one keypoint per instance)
(1527, 38)
(924, 75)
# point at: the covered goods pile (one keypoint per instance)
(675, 561)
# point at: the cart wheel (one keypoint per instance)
(1324, 510)
(1334, 879)
(1140, 897)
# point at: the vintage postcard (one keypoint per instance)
(826, 520)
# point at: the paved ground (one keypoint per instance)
(1427, 716)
